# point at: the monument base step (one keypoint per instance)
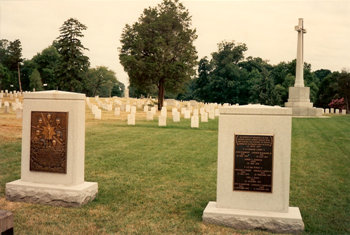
(56, 195)
(298, 103)
(277, 222)
(306, 111)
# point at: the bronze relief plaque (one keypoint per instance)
(48, 141)
(253, 160)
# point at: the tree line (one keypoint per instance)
(62, 66)
(159, 56)
(229, 77)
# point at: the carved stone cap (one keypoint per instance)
(256, 109)
(54, 95)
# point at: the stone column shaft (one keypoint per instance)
(299, 76)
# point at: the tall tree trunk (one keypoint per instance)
(161, 91)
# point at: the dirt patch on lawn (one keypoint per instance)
(10, 128)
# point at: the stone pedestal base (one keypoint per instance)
(306, 112)
(277, 222)
(299, 101)
(56, 195)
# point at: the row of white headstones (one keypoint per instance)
(334, 111)
(207, 111)
(11, 94)
(17, 106)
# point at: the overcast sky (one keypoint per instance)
(267, 27)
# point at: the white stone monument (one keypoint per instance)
(211, 114)
(217, 112)
(176, 116)
(131, 119)
(149, 116)
(127, 108)
(133, 110)
(187, 114)
(173, 110)
(117, 111)
(53, 151)
(154, 110)
(254, 148)
(161, 120)
(164, 111)
(299, 95)
(195, 121)
(204, 117)
(98, 114)
(122, 107)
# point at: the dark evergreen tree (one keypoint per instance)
(73, 66)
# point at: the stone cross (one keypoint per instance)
(299, 78)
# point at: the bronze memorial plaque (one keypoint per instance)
(48, 141)
(253, 158)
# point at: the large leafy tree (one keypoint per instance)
(222, 80)
(35, 81)
(5, 77)
(27, 69)
(10, 57)
(158, 49)
(201, 88)
(47, 62)
(100, 81)
(322, 73)
(118, 89)
(261, 86)
(73, 65)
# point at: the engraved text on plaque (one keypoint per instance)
(48, 141)
(253, 158)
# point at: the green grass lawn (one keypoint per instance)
(158, 180)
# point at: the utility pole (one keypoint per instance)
(19, 78)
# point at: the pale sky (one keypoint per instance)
(267, 27)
